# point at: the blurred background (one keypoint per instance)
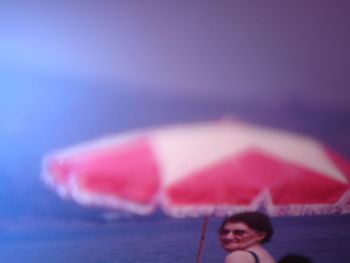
(71, 71)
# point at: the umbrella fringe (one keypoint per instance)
(262, 202)
(109, 201)
(341, 207)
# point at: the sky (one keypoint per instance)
(73, 71)
(223, 49)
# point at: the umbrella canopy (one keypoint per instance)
(209, 168)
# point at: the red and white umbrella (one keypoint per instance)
(210, 168)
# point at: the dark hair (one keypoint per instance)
(254, 220)
(295, 259)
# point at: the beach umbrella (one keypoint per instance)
(202, 169)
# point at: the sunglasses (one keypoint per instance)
(237, 232)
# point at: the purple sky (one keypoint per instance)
(220, 49)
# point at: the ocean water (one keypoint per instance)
(325, 239)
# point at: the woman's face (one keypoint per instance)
(238, 236)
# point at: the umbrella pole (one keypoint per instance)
(201, 243)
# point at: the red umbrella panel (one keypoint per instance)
(209, 168)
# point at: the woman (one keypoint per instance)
(242, 236)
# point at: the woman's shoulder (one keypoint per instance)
(245, 256)
(240, 256)
(263, 254)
